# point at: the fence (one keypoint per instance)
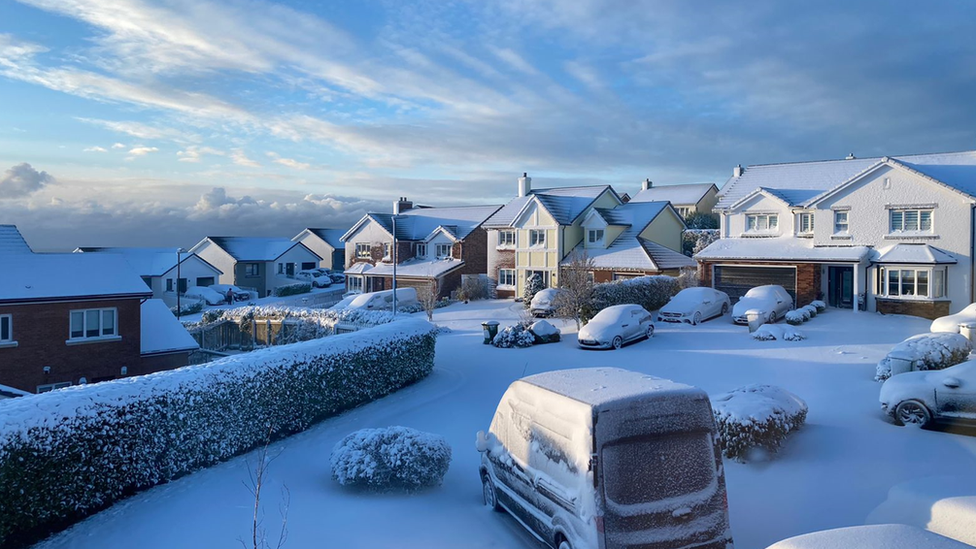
(228, 334)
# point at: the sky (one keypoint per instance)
(156, 123)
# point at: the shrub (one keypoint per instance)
(211, 316)
(533, 285)
(650, 292)
(190, 308)
(513, 336)
(544, 332)
(473, 288)
(696, 240)
(771, 332)
(929, 351)
(797, 316)
(390, 458)
(68, 453)
(754, 420)
(292, 289)
(811, 310)
(820, 305)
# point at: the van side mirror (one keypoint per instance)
(481, 442)
(951, 382)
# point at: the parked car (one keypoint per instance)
(772, 301)
(921, 398)
(614, 326)
(875, 536)
(207, 295)
(315, 279)
(692, 305)
(942, 503)
(543, 303)
(383, 300)
(605, 457)
(237, 293)
(950, 323)
(337, 278)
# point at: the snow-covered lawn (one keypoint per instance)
(831, 473)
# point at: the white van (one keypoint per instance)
(607, 458)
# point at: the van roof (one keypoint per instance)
(600, 386)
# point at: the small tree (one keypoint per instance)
(698, 220)
(428, 296)
(688, 278)
(533, 285)
(576, 286)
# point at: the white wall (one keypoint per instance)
(370, 233)
(760, 204)
(296, 255)
(320, 247)
(212, 254)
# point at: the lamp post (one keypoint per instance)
(179, 261)
(394, 266)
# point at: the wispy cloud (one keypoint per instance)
(141, 151)
(195, 154)
(95, 149)
(239, 157)
(290, 162)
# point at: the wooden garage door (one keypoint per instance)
(736, 281)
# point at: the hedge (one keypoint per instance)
(650, 292)
(292, 289)
(391, 458)
(69, 453)
(753, 421)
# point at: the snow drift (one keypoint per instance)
(391, 458)
(753, 421)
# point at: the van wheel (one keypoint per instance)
(564, 545)
(913, 413)
(617, 342)
(488, 491)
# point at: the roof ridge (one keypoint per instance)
(828, 160)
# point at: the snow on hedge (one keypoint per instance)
(650, 292)
(68, 453)
(310, 323)
(544, 332)
(819, 305)
(294, 288)
(391, 458)
(754, 420)
(935, 351)
(772, 332)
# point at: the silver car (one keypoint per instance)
(921, 398)
(771, 301)
(693, 305)
(614, 326)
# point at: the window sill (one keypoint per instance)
(911, 236)
(505, 247)
(758, 234)
(5, 344)
(88, 340)
(841, 237)
(804, 235)
(505, 287)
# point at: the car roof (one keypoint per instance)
(600, 386)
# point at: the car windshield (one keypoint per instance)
(654, 468)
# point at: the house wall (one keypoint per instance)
(191, 269)
(536, 258)
(760, 204)
(258, 282)
(158, 363)
(707, 204)
(296, 256)
(499, 258)
(217, 257)
(370, 233)
(473, 250)
(665, 230)
(321, 247)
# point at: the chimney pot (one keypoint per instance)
(737, 170)
(646, 184)
(524, 185)
(851, 157)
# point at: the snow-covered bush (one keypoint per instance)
(797, 316)
(771, 332)
(390, 458)
(754, 420)
(820, 305)
(811, 310)
(929, 351)
(533, 285)
(474, 287)
(696, 240)
(650, 292)
(544, 332)
(68, 453)
(513, 336)
(292, 289)
(191, 308)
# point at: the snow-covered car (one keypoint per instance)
(237, 294)
(944, 504)
(875, 536)
(614, 326)
(337, 277)
(315, 279)
(951, 323)
(651, 441)
(543, 303)
(383, 300)
(693, 305)
(771, 301)
(920, 398)
(205, 294)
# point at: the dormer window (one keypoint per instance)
(443, 251)
(762, 222)
(804, 223)
(594, 236)
(421, 250)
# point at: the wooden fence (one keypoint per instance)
(228, 334)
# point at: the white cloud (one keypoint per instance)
(141, 151)
(194, 153)
(95, 149)
(290, 162)
(22, 180)
(515, 61)
(118, 146)
(239, 157)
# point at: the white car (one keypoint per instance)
(315, 279)
(875, 536)
(951, 323)
(383, 300)
(543, 303)
(693, 305)
(237, 293)
(921, 398)
(772, 301)
(208, 296)
(614, 326)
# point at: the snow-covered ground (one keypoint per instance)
(831, 473)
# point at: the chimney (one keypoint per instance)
(524, 184)
(737, 171)
(402, 205)
(646, 184)
(850, 157)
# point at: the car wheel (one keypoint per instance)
(617, 342)
(650, 331)
(488, 491)
(725, 308)
(772, 318)
(565, 545)
(913, 413)
(696, 320)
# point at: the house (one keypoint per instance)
(69, 319)
(327, 243)
(432, 245)
(696, 198)
(536, 232)
(260, 264)
(158, 269)
(893, 234)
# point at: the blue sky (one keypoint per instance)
(159, 122)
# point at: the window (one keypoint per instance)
(506, 277)
(169, 284)
(443, 250)
(506, 239)
(387, 250)
(355, 283)
(309, 265)
(6, 329)
(363, 251)
(205, 281)
(762, 222)
(420, 250)
(594, 236)
(841, 225)
(281, 268)
(93, 324)
(537, 237)
(251, 269)
(909, 282)
(52, 386)
(684, 211)
(804, 224)
(544, 275)
(181, 285)
(911, 221)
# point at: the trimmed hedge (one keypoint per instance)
(292, 289)
(69, 453)
(753, 421)
(392, 458)
(650, 292)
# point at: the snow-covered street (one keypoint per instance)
(831, 473)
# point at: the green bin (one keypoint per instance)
(491, 330)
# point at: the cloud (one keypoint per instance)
(194, 153)
(239, 157)
(118, 146)
(290, 162)
(22, 180)
(515, 61)
(141, 151)
(95, 149)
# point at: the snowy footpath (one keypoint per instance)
(831, 473)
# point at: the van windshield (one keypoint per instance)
(647, 469)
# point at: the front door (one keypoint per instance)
(289, 269)
(840, 287)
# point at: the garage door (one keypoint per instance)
(736, 281)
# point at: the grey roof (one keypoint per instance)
(564, 203)
(915, 254)
(665, 258)
(146, 261)
(331, 236)
(46, 277)
(418, 223)
(255, 248)
(12, 242)
(675, 194)
(800, 182)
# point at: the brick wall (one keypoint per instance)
(925, 309)
(158, 363)
(606, 275)
(474, 251)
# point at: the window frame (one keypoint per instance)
(438, 247)
(169, 284)
(387, 250)
(800, 218)
(85, 316)
(919, 215)
(846, 223)
(356, 283)
(252, 270)
(10, 329)
(364, 250)
(591, 232)
(537, 238)
(503, 238)
(771, 222)
(933, 279)
(506, 277)
(420, 249)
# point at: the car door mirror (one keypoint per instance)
(481, 442)
(951, 382)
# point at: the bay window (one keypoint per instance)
(762, 222)
(910, 220)
(355, 283)
(913, 282)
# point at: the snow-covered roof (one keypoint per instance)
(419, 223)
(675, 194)
(359, 268)
(10, 392)
(799, 183)
(147, 261)
(565, 204)
(784, 248)
(599, 386)
(333, 237)
(255, 248)
(665, 258)
(915, 254)
(418, 268)
(51, 277)
(161, 332)
(12, 242)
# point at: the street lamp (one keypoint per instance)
(179, 261)
(394, 266)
